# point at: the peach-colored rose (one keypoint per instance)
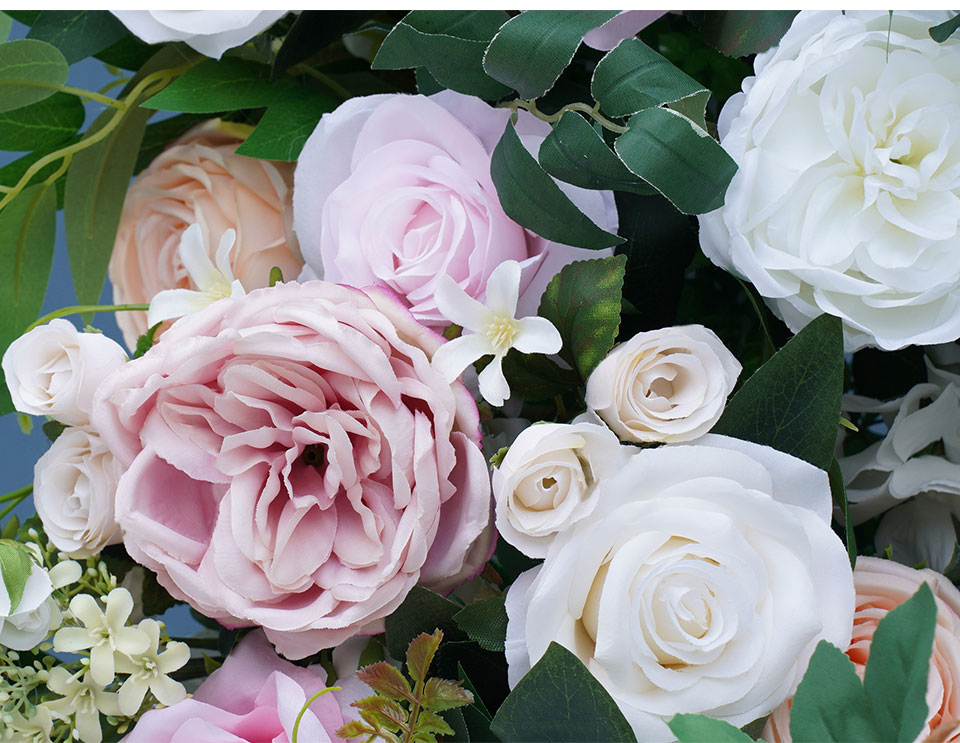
(882, 585)
(199, 179)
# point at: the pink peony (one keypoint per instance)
(294, 462)
(395, 190)
(255, 696)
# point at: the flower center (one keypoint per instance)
(501, 332)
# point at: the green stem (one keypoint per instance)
(303, 711)
(17, 495)
(104, 99)
(591, 111)
(83, 308)
(10, 506)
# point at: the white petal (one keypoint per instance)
(503, 288)
(66, 572)
(493, 385)
(537, 335)
(194, 256)
(173, 303)
(456, 355)
(459, 307)
(227, 241)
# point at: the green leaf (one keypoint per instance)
(531, 198)
(830, 703)
(312, 31)
(52, 430)
(386, 680)
(739, 33)
(432, 725)
(574, 152)
(145, 341)
(131, 54)
(703, 729)
(159, 134)
(422, 611)
(42, 125)
(678, 158)
(420, 654)
(533, 376)
(426, 83)
(286, 125)
(385, 711)
(531, 50)
(442, 694)
(213, 85)
(583, 302)
(450, 44)
(210, 664)
(27, 231)
(559, 700)
(485, 622)
(16, 564)
(633, 77)
(30, 71)
(6, 23)
(943, 31)
(899, 664)
(10, 528)
(78, 34)
(792, 402)
(839, 493)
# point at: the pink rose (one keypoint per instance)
(255, 696)
(395, 190)
(294, 462)
(200, 180)
(626, 24)
(882, 585)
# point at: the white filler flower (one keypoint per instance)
(494, 330)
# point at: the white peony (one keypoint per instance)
(702, 583)
(847, 197)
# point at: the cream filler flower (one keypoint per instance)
(149, 669)
(83, 699)
(213, 281)
(494, 330)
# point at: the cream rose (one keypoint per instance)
(667, 385)
(702, 583)
(74, 488)
(548, 481)
(54, 370)
(847, 198)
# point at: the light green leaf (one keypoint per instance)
(703, 729)
(42, 125)
(286, 125)
(485, 622)
(6, 23)
(30, 71)
(78, 34)
(531, 50)
(212, 86)
(15, 567)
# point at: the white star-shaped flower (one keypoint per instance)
(213, 282)
(494, 329)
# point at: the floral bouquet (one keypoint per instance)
(485, 376)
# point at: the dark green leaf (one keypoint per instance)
(678, 158)
(426, 83)
(159, 134)
(468, 685)
(943, 31)
(532, 49)
(53, 429)
(792, 402)
(485, 622)
(26, 17)
(420, 654)
(212, 86)
(461, 730)
(386, 680)
(535, 377)
(450, 44)
(42, 125)
(421, 611)
(27, 231)
(739, 33)
(30, 71)
(574, 152)
(559, 700)
(899, 664)
(633, 77)
(145, 341)
(15, 567)
(703, 729)
(530, 197)
(839, 493)
(583, 302)
(130, 53)
(830, 703)
(287, 123)
(312, 31)
(77, 33)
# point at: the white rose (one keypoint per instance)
(943, 364)
(30, 622)
(74, 488)
(210, 32)
(548, 481)
(920, 531)
(54, 370)
(667, 385)
(847, 197)
(702, 583)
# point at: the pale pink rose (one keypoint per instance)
(624, 25)
(395, 190)
(882, 585)
(255, 696)
(200, 180)
(294, 462)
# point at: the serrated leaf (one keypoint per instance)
(388, 712)
(792, 402)
(485, 622)
(943, 31)
(739, 33)
(78, 34)
(896, 675)
(429, 723)
(15, 567)
(633, 77)
(42, 125)
(422, 611)
(700, 728)
(559, 700)
(30, 71)
(442, 694)
(583, 302)
(353, 729)
(286, 125)
(420, 654)
(678, 158)
(531, 50)
(145, 341)
(387, 680)
(450, 44)
(228, 84)
(530, 197)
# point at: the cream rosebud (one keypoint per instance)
(74, 487)
(547, 481)
(26, 625)
(54, 370)
(667, 385)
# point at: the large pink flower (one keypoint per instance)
(294, 462)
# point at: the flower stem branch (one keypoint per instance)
(591, 111)
(17, 495)
(84, 308)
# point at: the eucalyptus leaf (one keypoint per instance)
(30, 71)
(15, 567)
(78, 34)
(286, 125)
(228, 84)
(703, 729)
(42, 125)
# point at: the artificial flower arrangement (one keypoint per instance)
(552, 375)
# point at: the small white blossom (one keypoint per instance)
(149, 669)
(33, 729)
(494, 330)
(83, 699)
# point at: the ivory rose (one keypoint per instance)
(293, 461)
(847, 197)
(665, 385)
(395, 190)
(882, 585)
(55, 369)
(701, 583)
(199, 179)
